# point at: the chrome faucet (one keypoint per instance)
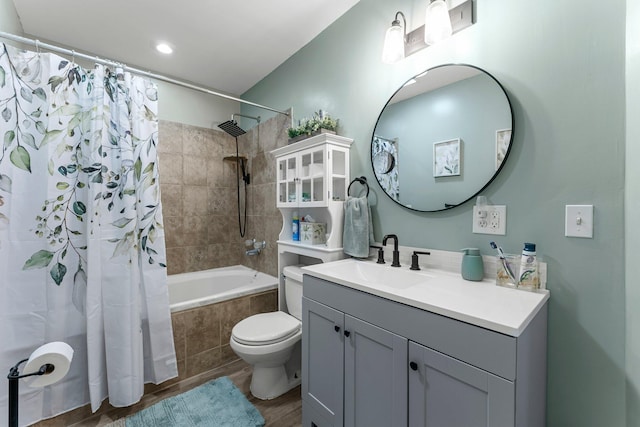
(257, 247)
(396, 253)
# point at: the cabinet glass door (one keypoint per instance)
(339, 172)
(287, 181)
(312, 177)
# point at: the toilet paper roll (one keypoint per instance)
(58, 354)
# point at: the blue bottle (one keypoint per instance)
(295, 227)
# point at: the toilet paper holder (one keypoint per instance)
(56, 353)
(13, 377)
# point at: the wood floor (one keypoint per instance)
(284, 411)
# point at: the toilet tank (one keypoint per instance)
(293, 290)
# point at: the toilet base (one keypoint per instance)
(270, 382)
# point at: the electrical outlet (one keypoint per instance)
(492, 219)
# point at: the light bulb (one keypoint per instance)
(437, 24)
(393, 50)
(164, 48)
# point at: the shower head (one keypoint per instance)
(231, 127)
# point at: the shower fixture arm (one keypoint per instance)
(257, 119)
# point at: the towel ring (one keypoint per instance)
(362, 180)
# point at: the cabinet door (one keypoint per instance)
(287, 181)
(375, 384)
(313, 177)
(444, 391)
(323, 360)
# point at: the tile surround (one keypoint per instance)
(199, 195)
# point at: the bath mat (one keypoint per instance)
(216, 403)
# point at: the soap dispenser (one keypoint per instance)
(472, 267)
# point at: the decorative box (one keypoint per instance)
(313, 233)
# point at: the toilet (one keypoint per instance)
(271, 342)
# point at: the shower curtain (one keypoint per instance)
(82, 255)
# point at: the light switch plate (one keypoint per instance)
(578, 221)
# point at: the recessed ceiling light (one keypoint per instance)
(164, 48)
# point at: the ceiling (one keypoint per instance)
(228, 46)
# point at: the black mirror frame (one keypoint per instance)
(506, 156)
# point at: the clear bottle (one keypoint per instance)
(295, 227)
(529, 278)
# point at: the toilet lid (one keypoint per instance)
(265, 328)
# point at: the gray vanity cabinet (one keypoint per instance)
(322, 364)
(355, 373)
(444, 391)
(371, 361)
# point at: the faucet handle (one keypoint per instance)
(414, 259)
(380, 253)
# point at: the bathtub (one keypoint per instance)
(199, 288)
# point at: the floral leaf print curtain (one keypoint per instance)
(82, 255)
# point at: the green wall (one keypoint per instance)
(563, 66)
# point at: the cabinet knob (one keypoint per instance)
(337, 328)
(413, 366)
(347, 333)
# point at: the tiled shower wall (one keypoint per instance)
(199, 195)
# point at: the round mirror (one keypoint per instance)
(442, 137)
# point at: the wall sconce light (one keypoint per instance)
(437, 24)
(440, 23)
(395, 40)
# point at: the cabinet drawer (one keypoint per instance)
(483, 348)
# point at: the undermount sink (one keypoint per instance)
(378, 275)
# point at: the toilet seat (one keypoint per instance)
(265, 328)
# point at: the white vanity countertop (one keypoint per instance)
(483, 304)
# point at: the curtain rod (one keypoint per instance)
(73, 53)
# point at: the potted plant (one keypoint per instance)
(321, 122)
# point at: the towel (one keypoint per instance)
(357, 232)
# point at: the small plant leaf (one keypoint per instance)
(62, 185)
(137, 169)
(28, 139)
(6, 114)
(40, 93)
(26, 94)
(20, 158)
(49, 136)
(57, 272)
(39, 259)
(79, 208)
(9, 136)
(79, 295)
(122, 222)
(40, 127)
(5, 183)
